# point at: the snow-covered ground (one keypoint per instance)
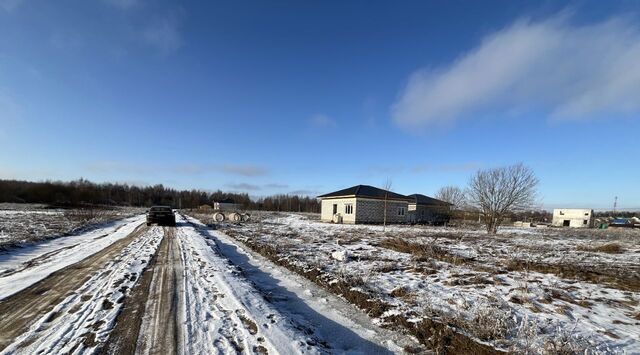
(227, 286)
(539, 290)
(21, 224)
(84, 318)
(22, 267)
(127, 287)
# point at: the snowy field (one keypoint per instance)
(27, 223)
(126, 287)
(524, 290)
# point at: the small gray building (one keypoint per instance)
(428, 210)
(363, 204)
(573, 217)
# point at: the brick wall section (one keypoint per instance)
(429, 214)
(372, 211)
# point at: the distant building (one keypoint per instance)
(227, 204)
(428, 210)
(573, 217)
(364, 204)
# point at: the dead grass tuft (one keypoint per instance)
(400, 292)
(609, 248)
(422, 251)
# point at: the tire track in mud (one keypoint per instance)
(22, 309)
(148, 323)
(224, 313)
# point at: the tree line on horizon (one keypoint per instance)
(83, 192)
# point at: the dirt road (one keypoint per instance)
(58, 293)
(175, 290)
(157, 298)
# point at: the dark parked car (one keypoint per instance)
(161, 215)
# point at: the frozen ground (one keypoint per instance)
(130, 288)
(535, 290)
(27, 223)
(22, 267)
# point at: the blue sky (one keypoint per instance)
(308, 97)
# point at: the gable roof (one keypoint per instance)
(426, 200)
(366, 191)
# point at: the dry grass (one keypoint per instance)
(422, 251)
(438, 336)
(602, 274)
(609, 248)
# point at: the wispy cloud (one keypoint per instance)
(163, 33)
(245, 170)
(304, 192)
(566, 71)
(276, 186)
(322, 121)
(182, 169)
(244, 186)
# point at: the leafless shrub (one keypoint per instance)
(401, 291)
(84, 215)
(562, 343)
(491, 323)
(499, 191)
(453, 195)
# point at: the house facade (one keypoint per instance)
(364, 204)
(573, 217)
(428, 210)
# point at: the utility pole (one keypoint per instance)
(615, 204)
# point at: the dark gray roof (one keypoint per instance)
(366, 191)
(426, 200)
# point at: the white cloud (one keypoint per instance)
(244, 186)
(565, 71)
(321, 120)
(164, 34)
(182, 169)
(245, 170)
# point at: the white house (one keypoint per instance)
(573, 217)
(363, 204)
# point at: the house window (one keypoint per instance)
(348, 208)
(561, 213)
(586, 214)
(584, 222)
(401, 211)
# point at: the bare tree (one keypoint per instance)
(499, 191)
(386, 187)
(453, 195)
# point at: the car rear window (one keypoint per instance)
(160, 209)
